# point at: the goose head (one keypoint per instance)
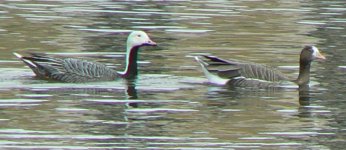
(310, 53)
(135, 40)
(138, 39)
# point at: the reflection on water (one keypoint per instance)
(169, 105)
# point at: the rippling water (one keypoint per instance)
(171, 106)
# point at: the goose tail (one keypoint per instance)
(26, 61)
(212, 78)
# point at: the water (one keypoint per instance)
(170, 106)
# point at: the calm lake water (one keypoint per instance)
(171, 106)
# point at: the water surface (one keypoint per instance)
(171, 106)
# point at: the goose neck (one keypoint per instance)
(131, 63)
(304, 73)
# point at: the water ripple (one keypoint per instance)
(20, 102)
(113, 101)
(150, 110)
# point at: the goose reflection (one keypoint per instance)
(304, 95)
(131, 91)
(305, 100)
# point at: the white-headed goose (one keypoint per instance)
(79, 70)
(244, 74)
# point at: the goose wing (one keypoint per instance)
(78, 70)
(233, 68)
(235, 73)
(68, 69)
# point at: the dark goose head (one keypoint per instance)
(135, 40)
(308, 54)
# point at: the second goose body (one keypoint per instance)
(243, 74)
(79, 70)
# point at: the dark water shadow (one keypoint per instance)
(131, 91)
(304, 95)
(309, 106)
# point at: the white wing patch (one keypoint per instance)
(25, 60)
(214, 79)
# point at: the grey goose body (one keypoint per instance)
(247, 74)
(79, 70)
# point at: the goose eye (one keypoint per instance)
(138, 35)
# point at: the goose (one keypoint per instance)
(247, 74)
(75, 70)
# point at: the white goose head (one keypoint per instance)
(135, 40)
(138, 39)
